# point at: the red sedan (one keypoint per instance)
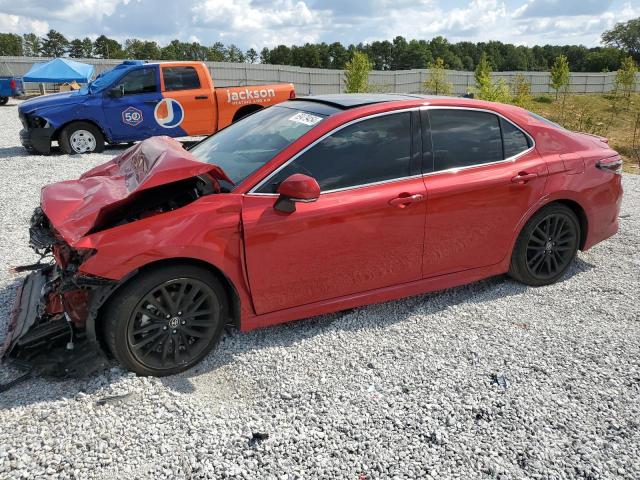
(312, 206)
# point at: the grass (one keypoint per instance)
(614, 117)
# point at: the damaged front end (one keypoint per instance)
(47, 327)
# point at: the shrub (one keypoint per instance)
(560, 75)
(437, 83)
(356, 75)
(521, 91)
(626, 77)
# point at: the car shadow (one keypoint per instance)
(234, 343)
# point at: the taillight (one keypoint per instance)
(12, 84)
(292, 95)
(613, 165)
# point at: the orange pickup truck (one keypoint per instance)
(137, 100)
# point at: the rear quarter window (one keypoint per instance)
(180, 78)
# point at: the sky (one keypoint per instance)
(260, 23)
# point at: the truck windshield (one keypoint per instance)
(245, 146)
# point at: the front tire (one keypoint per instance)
(4, 100)
(546, 246)
(81, 137)
(166, 320)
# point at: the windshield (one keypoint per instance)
(245, 146)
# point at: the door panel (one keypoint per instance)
(472, 214)
(131, 117)
(186, 86)
(346, 242)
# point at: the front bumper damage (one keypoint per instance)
(36, 134)
(54, 306)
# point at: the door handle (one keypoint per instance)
(524, 177)
(404, 199)
(202, 97)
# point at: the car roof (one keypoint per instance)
(345, 101)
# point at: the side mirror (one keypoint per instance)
(296, 188)
(117, 92)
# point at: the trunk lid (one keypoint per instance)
(75, 207)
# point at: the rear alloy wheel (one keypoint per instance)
(81, 137)
(546, 246)
(167, 321)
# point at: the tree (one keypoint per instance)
(10, 44)
(437, 81)
(54, 44)
(233, 54)
(76, 48)
(626, 76)
(251, 56)
(521, 91)
(87, 47)
(105, 47)
(141, 50)
(560, 74)
(31, 45)
(482, 73)
(625, 36)
(356, 75)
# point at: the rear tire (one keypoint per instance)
(81, 137)
(166, 320)
(4, 100)
(546, 246)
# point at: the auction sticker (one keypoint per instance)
(305, 118)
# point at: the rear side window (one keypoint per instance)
(463, 138)
(514, 139)
(180, 78)
(139, 81)
(366, 152)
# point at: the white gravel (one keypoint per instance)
(491, 380)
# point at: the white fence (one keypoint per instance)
(319, 81)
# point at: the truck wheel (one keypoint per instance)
(4, 100)
(81, 137)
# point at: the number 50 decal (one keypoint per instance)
(132, 116)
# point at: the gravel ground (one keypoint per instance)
(491, 380)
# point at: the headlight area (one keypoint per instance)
(54, 304)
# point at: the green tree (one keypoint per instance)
(626, 76)
(31, 45)
(482, 73)
(76, 49)
(356, 75)
(54, 44)
(265, 55)
(560, 75)
(521, 91)
(437, 82)
(251, 56)
(10, 44)
(625, 36)
(87, 47)
(216, 52)
(105, 47)
(233, 54)
(141, 49)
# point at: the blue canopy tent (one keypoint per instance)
(59, 70)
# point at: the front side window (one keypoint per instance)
(180, 78)
(245, 146)
(139, 81)
(365, 152)
(463, 138)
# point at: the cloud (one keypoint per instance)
(556, 8)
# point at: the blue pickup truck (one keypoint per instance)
(10, 87)
(138, 100)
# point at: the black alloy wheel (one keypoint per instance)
(546, 246)
(173, 323)
(166, 321)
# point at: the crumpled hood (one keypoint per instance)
(51, 100)
(74, 207)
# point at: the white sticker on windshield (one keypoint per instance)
(305, 118)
